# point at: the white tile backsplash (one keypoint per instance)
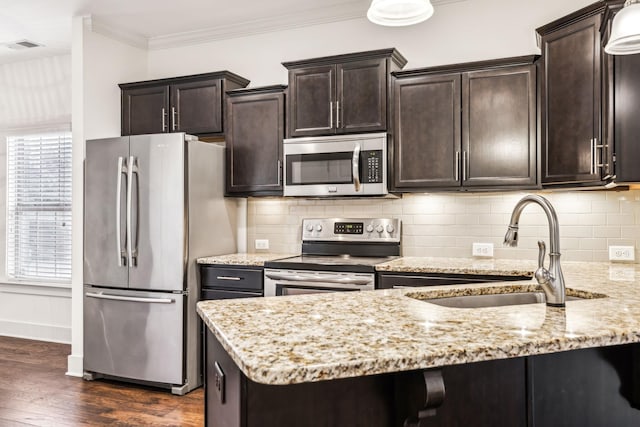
(446, 224)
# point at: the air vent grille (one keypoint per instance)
(22, 44)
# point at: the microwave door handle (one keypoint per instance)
(355, 167)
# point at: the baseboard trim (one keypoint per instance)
(35, 331)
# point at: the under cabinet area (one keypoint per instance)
(340, 94)
(192, 104)
(466, 126)
(226, 282)
(255, 130)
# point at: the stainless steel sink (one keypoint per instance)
(492, 300)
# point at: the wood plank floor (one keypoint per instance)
(34, 391)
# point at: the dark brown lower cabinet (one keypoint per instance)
(580, 388)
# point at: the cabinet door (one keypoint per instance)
(145, 110)
(311, 107)
(626, 132)
(426, 147)
(570, 98)
(196, 107)
(361, 104)
(499, 127)
(255, 130)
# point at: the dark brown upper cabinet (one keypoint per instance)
(192, 104)
(621, 103)
(341, 94)
(255, 130)
(466, 126)
(570, 96)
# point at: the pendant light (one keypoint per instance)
(625, 31)
(396, 13)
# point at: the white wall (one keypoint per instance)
(458, 32)
(99, 64)
(35, 96)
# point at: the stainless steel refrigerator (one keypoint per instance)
(153, 204)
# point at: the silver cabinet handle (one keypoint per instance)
(132, 252)
(164, 120)
(174, 122)
(331, 115)
(457, 166)
(279, 173)
(464, 166)
(132, 299)
(593, 156)
(597, 147)
(228, 278)
(122, 169)
(401, 287)
(338, 114)
(355, 167)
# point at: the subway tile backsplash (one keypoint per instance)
(446, 224)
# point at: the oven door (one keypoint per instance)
(296, 282)
(335, 166)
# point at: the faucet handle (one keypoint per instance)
(542, 251)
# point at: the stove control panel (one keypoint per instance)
(351, 229)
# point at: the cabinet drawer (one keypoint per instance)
(221, 294)
(398, 281)
(232, 278)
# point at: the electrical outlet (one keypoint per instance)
(482, 249)
(262, 243)
(622, 253)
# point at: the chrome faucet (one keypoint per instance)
(551, 280)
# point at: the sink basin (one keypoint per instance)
(495, 299)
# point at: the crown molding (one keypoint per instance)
(306, 18)
(127, 37)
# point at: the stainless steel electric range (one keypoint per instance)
(338, 254)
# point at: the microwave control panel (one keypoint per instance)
(371, 165)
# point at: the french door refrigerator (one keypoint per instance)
(153, 204)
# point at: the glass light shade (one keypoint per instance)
(625, 32)
(396, 13)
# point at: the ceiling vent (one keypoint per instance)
(22, 44)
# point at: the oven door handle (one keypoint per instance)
(326, 279)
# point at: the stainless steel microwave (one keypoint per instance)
(343, 165)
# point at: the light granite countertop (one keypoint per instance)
(254, 259)
(480, 266)
(339, 335)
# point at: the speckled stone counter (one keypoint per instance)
(256, 260)
(488, 267)
(339, 335)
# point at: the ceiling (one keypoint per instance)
(155, 24)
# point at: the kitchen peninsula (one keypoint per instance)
(361, 358)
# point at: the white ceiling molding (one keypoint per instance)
(343, 12)
(127, 37)
(306, 18)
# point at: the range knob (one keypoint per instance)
(369, 228)
(390, 228)
(379, 229)
(319, 227)
(309, 227)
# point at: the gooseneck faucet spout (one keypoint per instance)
(551, 280)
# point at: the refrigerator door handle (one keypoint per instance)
(122, 255)
(131, 299)
(131, 252)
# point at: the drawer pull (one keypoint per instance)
(228, 278)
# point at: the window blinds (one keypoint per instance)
(39, 207)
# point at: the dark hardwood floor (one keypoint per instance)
(34, 391)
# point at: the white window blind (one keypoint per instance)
(39, 207)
